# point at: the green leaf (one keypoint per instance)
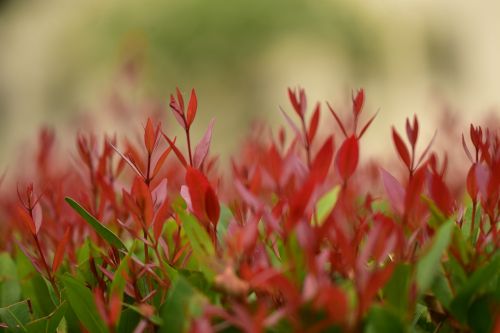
(10, 290)
(176, 309)
(468, 221)
(326, 204)
(225, 218)
(397, 289)
(481, 314)
(101, 230)
(129, 319)
(203, 249)
(383, 320)
(82, 302)
(429, 263)
(154, 318)
(48, 324)
(474, 286)
(34, 287)
(441, 290)
(16, 316)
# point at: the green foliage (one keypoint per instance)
(98, 227)
(82, 303)
(428, 266)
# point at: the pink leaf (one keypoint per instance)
(203, 147)
(395, 191)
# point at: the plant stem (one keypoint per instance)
(188, 137)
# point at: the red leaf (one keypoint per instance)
(313, 124)
(375, 282)
(37, 217)
(59, 255)
(212, 206)
(299, 102)
(357, 102)
(441, 195)
(115, 306)
(334, 300)
(412, 131)
(26, 218)
(299, 203)
(180, 99)
(161, 160)
(129, 162)
(337, 119)
(414, 188)
(322, 161)
(472, 187)
(401, 148)
(197, 184)
(201, 150)
(467, 152)
(426, 150)
(192, 107)
(161, 216)
(149, 136)
(176, 150)
(294, 127)
(363, 130)
(347, 157)
(144, 200)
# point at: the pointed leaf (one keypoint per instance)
(337, 119)
(429, 263)
(212, 206)
(347, 157)
(99, 228)
(358, 102)
(201, 150)
(313, 124)
(322, 161)
(149, 136)
(59, 255)
(395, 191)
(192, 107)
(82, 302)
(401, 148)
(176, 150)
(326, 204)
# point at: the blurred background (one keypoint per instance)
(64, 63)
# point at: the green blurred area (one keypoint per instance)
(59, 59)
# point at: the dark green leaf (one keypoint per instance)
(49, 323)
(16, 316)
(428, 265)
(382, 320)
(101, 230)
(396, 290)
(82, 302)
(10, 290)
(441, 290)
(474, 285)
(480, 315)
(176, 309)
(128, 321)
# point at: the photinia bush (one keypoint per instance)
(298, 234)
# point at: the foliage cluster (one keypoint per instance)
(146, 235)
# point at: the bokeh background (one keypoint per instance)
(64, 63)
